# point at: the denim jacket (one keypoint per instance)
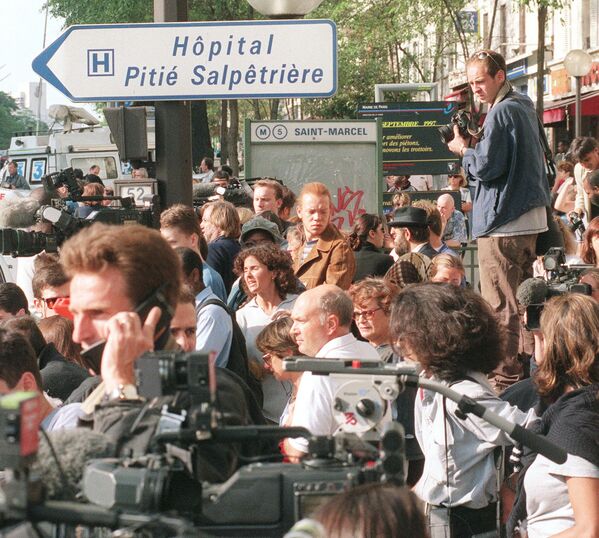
(507, 165)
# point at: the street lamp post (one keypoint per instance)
(578, 63)
(284, 9)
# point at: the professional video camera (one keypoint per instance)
(64, 224)
(561, 279)
(462, 119)
(65, 177)
(238, 192)
(237, 507)
(19, 423)
(260, 499)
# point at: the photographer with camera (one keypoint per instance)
(512, 194)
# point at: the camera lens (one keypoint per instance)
(446, 132)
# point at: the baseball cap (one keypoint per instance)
(260, 223)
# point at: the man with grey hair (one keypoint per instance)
(322, 319)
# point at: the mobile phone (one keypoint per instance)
(533, 316)
(93, 354)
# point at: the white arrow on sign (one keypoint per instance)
(196, 60)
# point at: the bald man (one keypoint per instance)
(454, 224)
(322, 318)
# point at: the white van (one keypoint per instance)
(76, 147)
(38, 155)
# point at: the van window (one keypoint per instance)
(38, 170)
(107, 165)
(21, 166)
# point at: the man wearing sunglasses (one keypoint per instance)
(50, 290)
(507, 166)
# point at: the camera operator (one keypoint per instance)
(511, 196)
(454, 336)
(124, 284)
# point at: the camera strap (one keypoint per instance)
(550, 169)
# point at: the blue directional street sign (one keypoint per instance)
(196, 60)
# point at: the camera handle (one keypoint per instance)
(67, 512)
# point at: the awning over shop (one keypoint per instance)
(558, 110)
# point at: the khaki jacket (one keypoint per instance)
(330, 261)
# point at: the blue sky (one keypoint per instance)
(21, 40)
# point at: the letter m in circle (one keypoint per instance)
(262, 131)
(100, 62)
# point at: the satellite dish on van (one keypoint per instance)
(68, 115)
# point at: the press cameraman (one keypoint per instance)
(124, 286)
(511, 195)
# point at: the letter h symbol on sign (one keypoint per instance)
(100, 62)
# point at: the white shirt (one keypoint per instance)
(316, 393)
(252, 319)
(548, 507)
(206, 177)
(470, 445)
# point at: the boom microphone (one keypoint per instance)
(18, 212)
(74, 448)
(204, 190)
(532, 291)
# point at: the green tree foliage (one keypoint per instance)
(13, 120)
(375, 43)
(375, 40)
(120, 11)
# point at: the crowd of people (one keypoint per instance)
(253, 288)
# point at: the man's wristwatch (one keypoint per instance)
(124, 392)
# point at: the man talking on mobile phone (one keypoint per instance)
(125, 284)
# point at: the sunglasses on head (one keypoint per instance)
(484, 54)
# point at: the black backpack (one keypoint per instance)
(238, 357)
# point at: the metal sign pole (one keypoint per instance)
(173, 128)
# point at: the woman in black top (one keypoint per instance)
(366, 240)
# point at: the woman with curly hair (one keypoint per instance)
(454, 336)
(366, 240)
(268, 279)
(590, 243)
(568, 376)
